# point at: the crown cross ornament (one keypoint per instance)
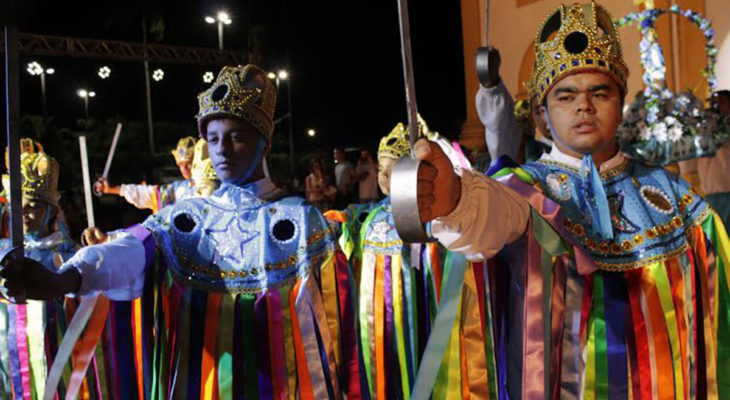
(661, 127)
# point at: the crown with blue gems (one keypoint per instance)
(243, 92)
(183, 152)
(40, 177)
(575, 38)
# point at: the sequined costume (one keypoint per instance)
(30, 333)
(626, 301)
(400, 291)
(244, 294)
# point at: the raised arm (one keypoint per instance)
(471, 214)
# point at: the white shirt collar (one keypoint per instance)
(558, 156)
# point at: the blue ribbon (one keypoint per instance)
(596, 198)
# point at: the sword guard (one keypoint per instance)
(10, 253)
(487, 59)
(404, 201)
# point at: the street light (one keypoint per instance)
(208, 77)
(311, 133)
(86, 95)
(104, 72)
(222, 18)
(35, 68)
(158, 74)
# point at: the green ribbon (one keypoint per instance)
(442, 327)
(4, 356)
(723, 308)
(225, 347)
(183, 344)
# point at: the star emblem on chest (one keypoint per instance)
(380, 231)
(229, 236)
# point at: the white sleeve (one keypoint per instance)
(140, 196)
(489, 216)
(496, 111)
(115, 268)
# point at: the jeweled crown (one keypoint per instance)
(40, 177)
(397, 144)
(243, 92)
(183, 152)
(203, 174)
(27, 145)
(574, 38)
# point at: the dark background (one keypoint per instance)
(343, 59)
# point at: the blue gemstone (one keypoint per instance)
(576, 62)
(601, 63)
(215, 108)
(562, 67)
(597, 50)
(589, 61)
(553, 73)
(547, 81)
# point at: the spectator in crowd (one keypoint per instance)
(367, 173)
(345, 178)
(317, 188)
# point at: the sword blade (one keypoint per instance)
(11, 104)
(113, 148)
(405, 39)
(87, 182)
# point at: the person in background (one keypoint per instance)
(154, 197)
(367, 173)
(315, 186)
(345, 178)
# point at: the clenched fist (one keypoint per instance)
(93, 235)
(439, 188)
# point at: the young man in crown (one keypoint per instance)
(614, 280)
(29, 333)
(154, 197)
(246, 294)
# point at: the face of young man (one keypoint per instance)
(186, 169)
(34, 217)
(385, 166)
(584, 110)
(232, 144)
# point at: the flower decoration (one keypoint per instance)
(661, 127)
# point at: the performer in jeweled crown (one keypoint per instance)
(254, 294)
(615, 280)
(30, 333)
(400, 288)
(154, 197)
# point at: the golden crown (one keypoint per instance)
(40, 177)
(27, 145)
(575, 38)
(397, 144)
(243, 92)
(202, 165)
(183, 152)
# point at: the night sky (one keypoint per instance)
(344, 62)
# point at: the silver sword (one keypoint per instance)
(110, 156)
(404, 177)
